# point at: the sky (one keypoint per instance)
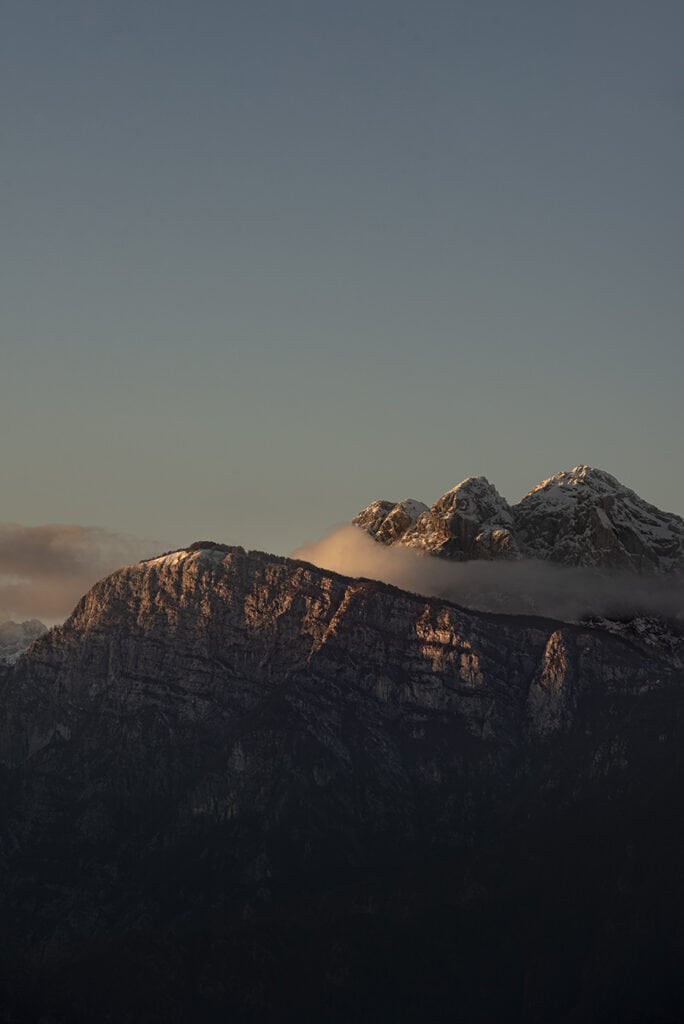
(264, 262)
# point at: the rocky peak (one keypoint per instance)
(471, 520)
(587, 517)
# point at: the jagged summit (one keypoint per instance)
(582, 517)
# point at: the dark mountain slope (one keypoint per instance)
(240, 787)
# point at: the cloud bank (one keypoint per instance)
(526, 587)
(44, 570)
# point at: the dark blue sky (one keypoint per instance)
(264, 262)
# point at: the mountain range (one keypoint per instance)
(15, 637)
(584, 517)
(242, 787)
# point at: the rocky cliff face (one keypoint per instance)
(215, 624)
(584, 517)
(273, 765)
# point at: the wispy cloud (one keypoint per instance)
(525, 587)
(44, 570)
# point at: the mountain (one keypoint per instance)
(237, 786)
(584, 517)
(15, 637)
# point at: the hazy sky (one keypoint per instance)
(264, 262)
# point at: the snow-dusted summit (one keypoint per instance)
(584, 517)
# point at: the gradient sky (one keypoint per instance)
(264, 262)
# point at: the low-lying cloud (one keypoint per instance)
(525, 587)
(44, 570)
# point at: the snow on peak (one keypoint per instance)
(568, 483)
(200, 551)
(587, 517)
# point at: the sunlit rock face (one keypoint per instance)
(214, 626)
(224, 751)
(387, 522)
(584, 517)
